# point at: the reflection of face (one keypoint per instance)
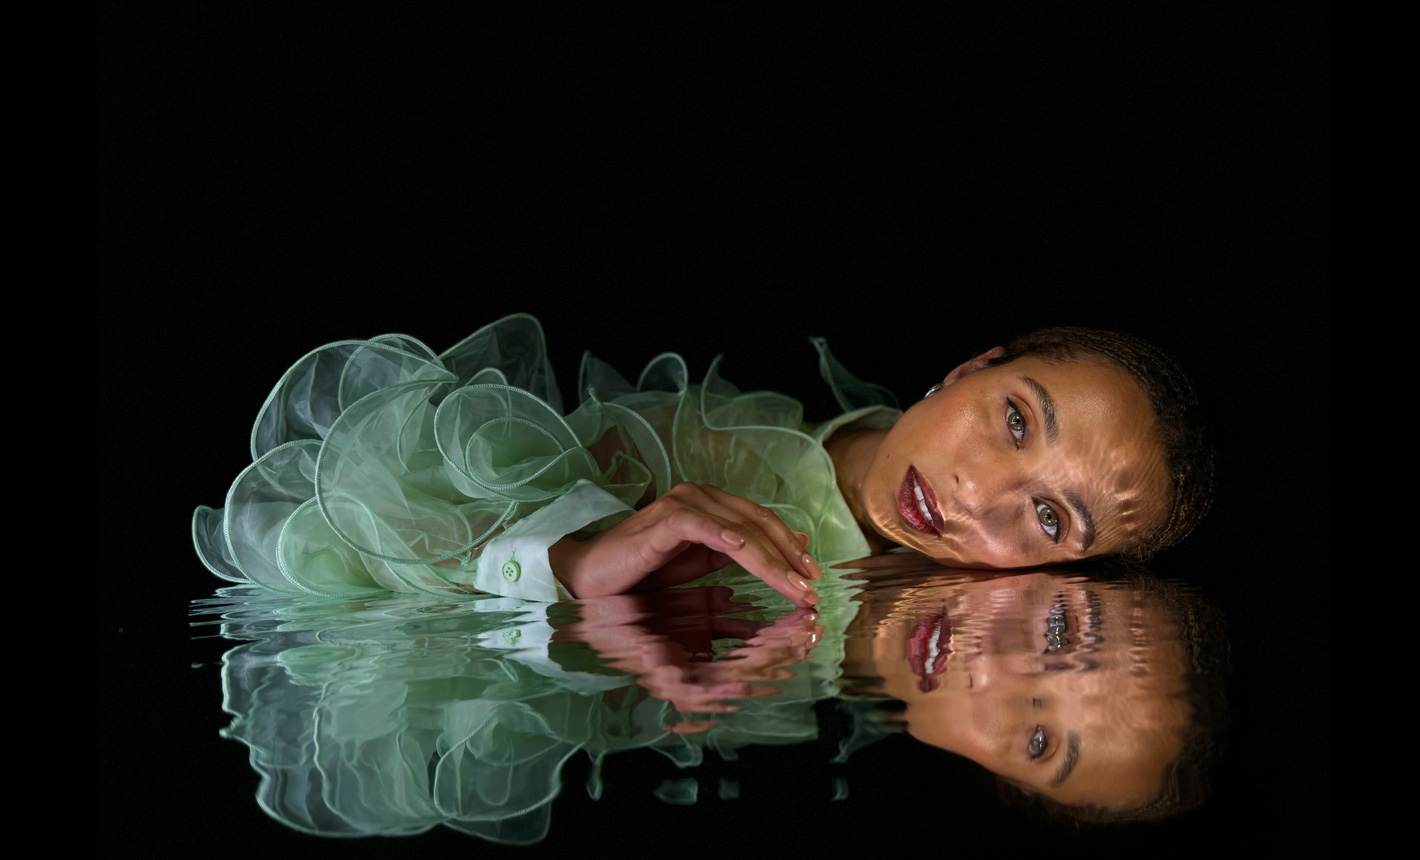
(1031, 462)
(1084, 710)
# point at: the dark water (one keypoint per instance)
(913, 186)
(401, 714)
(668, 719)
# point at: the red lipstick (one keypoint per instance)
(917, 503)
(928, 649)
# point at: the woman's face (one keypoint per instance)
(1074, 689)
(1028, 463)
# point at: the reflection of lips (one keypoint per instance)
(917, 504)
(928, 649)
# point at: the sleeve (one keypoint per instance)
(527, 640)
(515, 563)
(380, 466)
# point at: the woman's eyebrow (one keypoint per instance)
(1052, 432)
(1087, 520)
(1072, 758)
(1047, 408)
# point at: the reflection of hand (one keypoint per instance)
(665, 641)
(691, 531)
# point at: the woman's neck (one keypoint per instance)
(852, 453)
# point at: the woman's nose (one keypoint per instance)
(968, 495)
(983, 487)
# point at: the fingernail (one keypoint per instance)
(811, 566)
(732, 537)
(799, 583)
(803, 538)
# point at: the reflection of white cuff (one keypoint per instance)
(526, 640)
(515, 564)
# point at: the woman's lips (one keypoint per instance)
(928, 649)
(918, 504)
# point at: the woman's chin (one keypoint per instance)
(939, 548)
(931, 546)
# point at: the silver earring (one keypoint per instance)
(933, 390)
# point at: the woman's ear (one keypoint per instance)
(974, 364)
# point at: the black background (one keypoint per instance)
(916, 186)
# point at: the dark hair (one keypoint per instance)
(1207, 661)
(1187, 457)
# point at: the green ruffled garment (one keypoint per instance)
(396, 713)
(380, 465)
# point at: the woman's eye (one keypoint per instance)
(1049, 520)
(1038, 742)
(1015, 422)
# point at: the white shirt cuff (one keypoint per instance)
(515, 564)
(527, 639)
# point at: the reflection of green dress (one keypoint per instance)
(379, 465)
(396, 713)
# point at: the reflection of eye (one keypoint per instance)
(1015, 422)
(1038, 742)
(1049, 520)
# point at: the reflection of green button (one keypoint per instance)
(511, 570)
(511, 636)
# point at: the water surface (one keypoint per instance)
(401, 714)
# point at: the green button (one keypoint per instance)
(511, 636)
(511, 570)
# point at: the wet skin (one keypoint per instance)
(1095, 721)
(1026, 464)
(1029, 463)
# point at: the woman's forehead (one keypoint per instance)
(1084, 387)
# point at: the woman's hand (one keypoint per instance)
(666, 641)
(691, 531)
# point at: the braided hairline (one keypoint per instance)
(1188, 459)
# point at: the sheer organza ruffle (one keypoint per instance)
(393, 714)
(381, 465)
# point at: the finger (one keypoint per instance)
(796, 627)
(692, 727)
(694, 697)
(745, 543)
(743, 684)
(724, 684)
(702, 706)
(686, 524)
(780, 670)
(770, 667)
(760, 558)
(738, 628)
(796, 617)
(756, 690)
(750, 534)
(769, 656)
(786, 541)
(784, 639)
(771, 651)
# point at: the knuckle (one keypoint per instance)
(681, 495)
(685, 492)
(762, 514)
(681, 517)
